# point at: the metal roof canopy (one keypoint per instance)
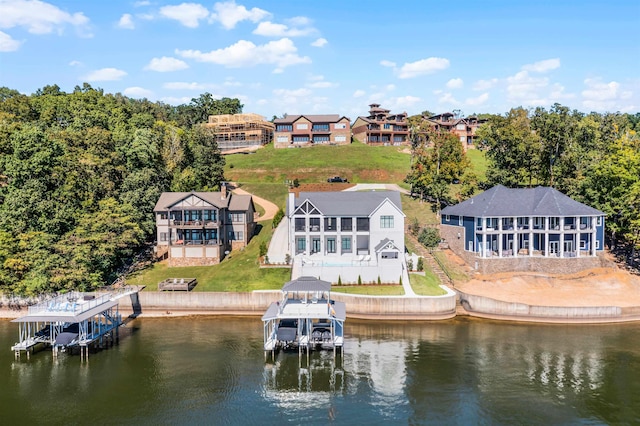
(307, 284)
(55, 316)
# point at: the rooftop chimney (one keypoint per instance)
(223, 191)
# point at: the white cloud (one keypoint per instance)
(105, 74)
(188, 14)
(230, 82)
(126, 22)
(321, 42)
(75, 63)
(478, 100)
(422, 67)
(297, 93)
(141, 3)
(137, 92)
(359, 93)
(386, 63)
(229, 14)
(455, 83)
(525, 89)
(447, 98)
(269, 29)
(322, 85)
(181, 85)
(543, 66)
(390, 87)
(7, 43)
(166, 64)
(601, 96)
(485, 84)
(244, 53)
(404, 102)
(40, 18)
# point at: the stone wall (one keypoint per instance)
(192, 261)
(551, 265)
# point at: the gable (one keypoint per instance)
(191, 201)
(307, 208)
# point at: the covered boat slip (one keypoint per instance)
(305, 318)
(70, 320)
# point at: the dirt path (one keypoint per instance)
(270, 209)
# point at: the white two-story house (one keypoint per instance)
(200, 228)
(346, 235)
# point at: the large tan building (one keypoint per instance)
(381, 127)
(308, 130)
(241, 131)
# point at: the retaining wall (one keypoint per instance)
(482, 305)
(256, 303)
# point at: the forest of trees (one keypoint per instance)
(80, 174)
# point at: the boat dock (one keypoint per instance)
(72, 320)
(306, 318)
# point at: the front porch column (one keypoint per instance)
(530, 235)
(592, 247)
(500, 237)
(516, 235)
(546, 236)
(561, 245)
(484, 243)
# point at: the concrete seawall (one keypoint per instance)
(486, 307)
(256, 303)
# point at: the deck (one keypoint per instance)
(177, 284)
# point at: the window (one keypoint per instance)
(599, 221)
(346, 245)
(554, 222)
(315, 245)
(163, 215)
(447, 218)
(301, 138)
(362, 224)
(341, 138)
(314, 224)
(302, 126)
(330, 224)
(210, 215)
(387, 126)
(597, 244)
(300, 224)
(319, 139)
(460, 126)
(163, 236)
(459, 220)
(386, 222)
(320, 128)
(301, 245)
(538, 222)
(236, 236)
(284, 128)
(236, 217)
(340, 126)
(282, 139)
(331, 245)
(583, 245)
(345, 224)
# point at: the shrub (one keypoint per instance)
(359, 280)
(339, 280)
(277, 218)
(266, 260)
(414, 226)
(296, 183)
(429, 237)
(410, 264)
(379, 280)
(287, 258)
(420, 264)
(263, 249)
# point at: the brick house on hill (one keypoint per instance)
(307, 130)
(464, 128)
(524, 229)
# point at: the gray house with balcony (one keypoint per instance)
(200, 228)
(534, 229)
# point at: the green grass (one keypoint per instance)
(479, 163)
(370, 290)
(357, 162)
(427, 284)
(274, 192)
(422, 210)
(237, 272)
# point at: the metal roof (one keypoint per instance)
(349, 203)
(307, 284)
(539, 201)
(62, 316)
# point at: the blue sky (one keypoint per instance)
(321, 57)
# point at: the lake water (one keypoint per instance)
(213, 371)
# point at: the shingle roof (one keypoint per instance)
(318, 118)
(539, 201)
(307, 283)
(240, 202)
(351, 203)
(168, 199)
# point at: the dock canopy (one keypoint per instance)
(307, 284)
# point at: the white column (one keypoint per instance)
(561, 245)
(500, 236)
(516, 235)
(530, 235)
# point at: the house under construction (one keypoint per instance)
(241, 131)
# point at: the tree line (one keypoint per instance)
(80, 173)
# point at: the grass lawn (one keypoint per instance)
(478, 163)
(427, 284)
(370, 290)
(415, 208)
(237, 272)
(357, 162)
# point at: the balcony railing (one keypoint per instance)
(195, 242)
(195, 223)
